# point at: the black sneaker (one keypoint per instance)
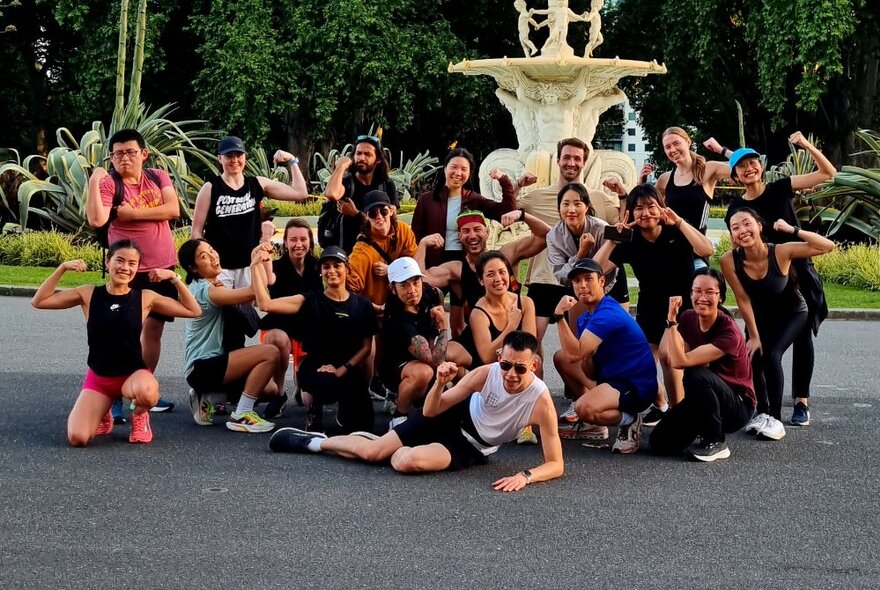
(275, 407)
(800, 416)
(116, 411)
(653, 416)
(709, 451)
(291, 440)
(315, 419)
(162, 406)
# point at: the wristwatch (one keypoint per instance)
(671, 323)
(556, 317)
(528, 475)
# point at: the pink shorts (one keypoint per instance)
(109, 386)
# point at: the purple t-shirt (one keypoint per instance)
(153, 237)
(734, 367)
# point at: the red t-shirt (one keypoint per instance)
(734, 367)
(153, 237)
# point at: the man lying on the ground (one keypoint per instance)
(461, 426)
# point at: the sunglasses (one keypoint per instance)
(376, 211)
(507, 365)
(368, 138)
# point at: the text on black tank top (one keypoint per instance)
(114, 333)
(233, 223)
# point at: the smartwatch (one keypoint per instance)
(528, 475)
(671, 324)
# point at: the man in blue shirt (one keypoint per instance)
(608, 366)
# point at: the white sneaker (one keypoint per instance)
(396, 422)
(772, 429)
(570, 415)
(756, 423)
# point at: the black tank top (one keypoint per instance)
(471, 289)
(772, 294)
(233, 223)
(114, 333)
(495, 332)
(690, 202)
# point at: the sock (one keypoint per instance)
(664, 407)
(245, 404)
(315, 444)
(626, 419)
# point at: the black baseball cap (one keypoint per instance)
(231, 144)
(585, 265)
(375, 199)
(334, 252)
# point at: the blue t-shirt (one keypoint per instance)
(204, 334)
(624, 356)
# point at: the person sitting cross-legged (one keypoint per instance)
(719, 396)
(608, 367)
(461, 426)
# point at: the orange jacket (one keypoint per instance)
(362, 279)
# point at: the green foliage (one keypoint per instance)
(47, 249)
(312, 207)
(856, 266)
(852, 197)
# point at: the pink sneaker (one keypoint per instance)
(106, 425)
(140, 428)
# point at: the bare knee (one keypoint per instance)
(405, 461)
(373, 453)
(78, 437)
(585, 410)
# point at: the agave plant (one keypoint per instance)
(852, 197)
(68, 166)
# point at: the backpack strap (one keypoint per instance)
(376, 247)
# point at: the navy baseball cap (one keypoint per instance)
(375, 199)
(585, 265)
(230, 145)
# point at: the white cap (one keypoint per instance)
(403, 269)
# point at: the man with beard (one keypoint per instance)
(473, 231)
(346, 187)
(544, 289)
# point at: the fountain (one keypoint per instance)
(556, 94)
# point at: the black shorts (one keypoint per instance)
(142, 281)
(207, 374)
(620, 291)
(652, 322)
(631, 401)
(546, 297)
(444, 429)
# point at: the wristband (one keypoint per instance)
(291, 163)
(671, 324)
(348, 367)
(523, 212)
(556, 317)
(723, 150)
(796, 231)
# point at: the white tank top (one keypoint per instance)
(500, 416)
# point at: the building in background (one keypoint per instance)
(625, 136)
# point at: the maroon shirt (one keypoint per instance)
(734, 367)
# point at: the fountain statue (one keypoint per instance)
(556, 94)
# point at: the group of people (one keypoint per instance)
(366, 315)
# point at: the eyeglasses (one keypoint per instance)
(376, 211)
(122, 153)
(698, 293)
(507, 365)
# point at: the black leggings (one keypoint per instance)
(777, 335)
(351, 392)
(709, 409)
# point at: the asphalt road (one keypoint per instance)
(209, 508)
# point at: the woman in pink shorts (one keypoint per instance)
(114, 318)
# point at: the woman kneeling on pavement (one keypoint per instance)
(718, 393)
(208, 366)
(114, 318)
